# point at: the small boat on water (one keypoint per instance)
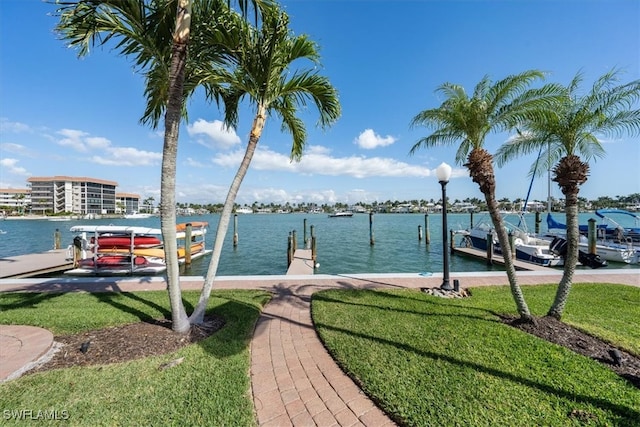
(610, 228)
(612, 244)
(137, 215)
(125, 250)
(527, 247)
(341, 214)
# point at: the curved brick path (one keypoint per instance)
(295, 382)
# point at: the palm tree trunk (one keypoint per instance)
(571, 258)
(256, 131)
(180, 321)
(503, 239)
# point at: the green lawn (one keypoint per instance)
(210, 388)
(430, 361)
(427, 361)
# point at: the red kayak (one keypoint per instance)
(112, 261)
(124, 241)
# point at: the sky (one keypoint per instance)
(61, 115)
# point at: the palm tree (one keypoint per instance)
(568, 133)
(467, 120)
(266, 75)
(157, 35)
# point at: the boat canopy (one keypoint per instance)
(116, 229)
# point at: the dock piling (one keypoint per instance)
(426, 229)
(304, 234)
(289, 249)
(187, 244)
(591, 236)
(235, 230)
(371, 240)
(452, 242)
(314, 253)
(56, 239)
(489, 248)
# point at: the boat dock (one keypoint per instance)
(302, 263)
(24, 266)
(497, 260)
(54, 261)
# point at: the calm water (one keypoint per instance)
(343, 245)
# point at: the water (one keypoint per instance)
(343, 244)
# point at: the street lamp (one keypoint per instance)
(443, 173)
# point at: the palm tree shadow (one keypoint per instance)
(112, 299)
(626, 414)
(235, 335)
(26, 300)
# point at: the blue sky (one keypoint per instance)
(60, 115)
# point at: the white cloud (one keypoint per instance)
(73, 138)
(194, 163)
(10, 166)
(318, 162)
(104, 152)
(369, 140)
(19, 149)
(13, 127)
(215, 133)
(127, 156)
(94, 142)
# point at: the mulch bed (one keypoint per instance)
(126, 342)
(557, 332)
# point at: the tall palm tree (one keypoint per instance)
(467, 120)
(268, 77)
(569, 134)
(156, 34)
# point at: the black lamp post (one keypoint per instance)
(443, 173)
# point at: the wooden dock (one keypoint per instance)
(24, 266)
(54, 261)
(498, 260)
(302, 263)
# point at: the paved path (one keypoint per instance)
(294, 380)
(20, 346)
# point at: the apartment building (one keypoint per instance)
(15, 199)
(79, 195)
(127, 203)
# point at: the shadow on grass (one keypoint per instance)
(628, 415)
(112, 299)
(430, 302)
(24, 300)
(235, 336)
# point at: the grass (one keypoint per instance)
(211, 386)
(426, 360)
(429, 361)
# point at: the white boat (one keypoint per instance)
(124, 250)
(528, 248)
(610, 249)
(244, 210)
(341, 214)
(137, 215)
(60, 218)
